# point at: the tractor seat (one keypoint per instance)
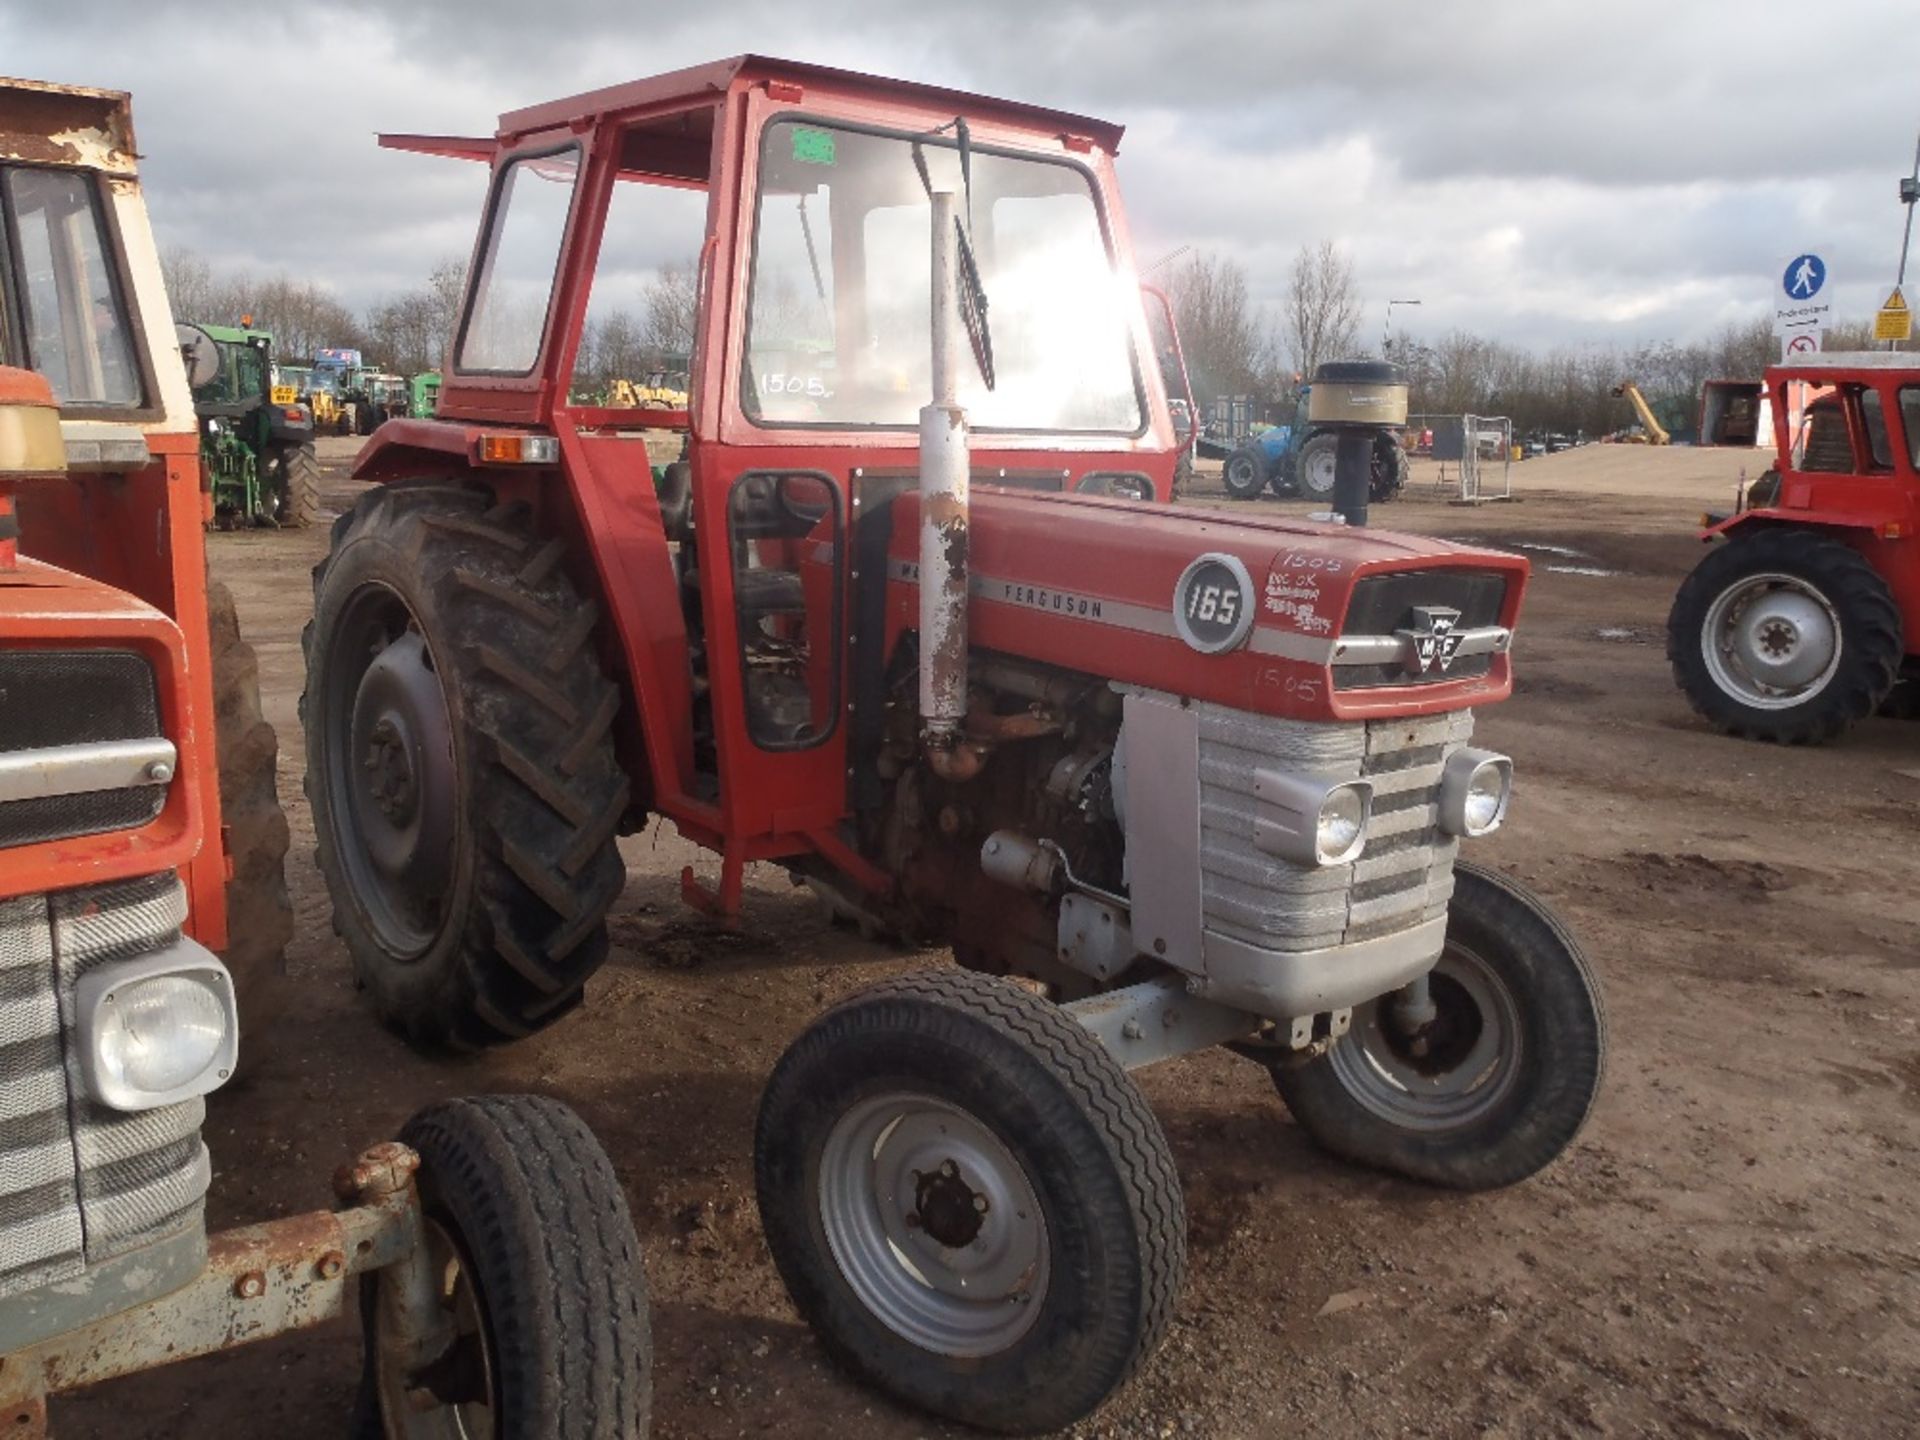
(761, 593)
(1828, 450)
(674, 486)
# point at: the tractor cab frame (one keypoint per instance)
(763, 141)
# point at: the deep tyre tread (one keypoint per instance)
(540, 795)
(1389, 475)
(1084, 1136)
(534, 1203)
(297, 480)
(1872, 647)
(1563, 1055)
(259, 912)
(1245, 473)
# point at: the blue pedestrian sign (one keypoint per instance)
(1803, 301)
(1804, 276)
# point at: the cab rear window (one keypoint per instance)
(63, 312)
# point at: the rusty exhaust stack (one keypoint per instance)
(944, 468)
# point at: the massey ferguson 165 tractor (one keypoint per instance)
(490, 1254)
(1806, 619)
(1163, 778)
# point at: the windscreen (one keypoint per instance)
(839, 324)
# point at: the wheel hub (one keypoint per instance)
(389, 759)
(1771, 641)
(946, 1207)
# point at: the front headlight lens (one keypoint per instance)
(158, 1035)
(1475, 790)
(1342, 829)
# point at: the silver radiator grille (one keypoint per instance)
(79, 1182)
(1405, 874)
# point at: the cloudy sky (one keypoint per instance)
(1539, 170)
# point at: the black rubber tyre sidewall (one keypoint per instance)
(1563, 1055)
(1871, 642)
(550, 1265)
(1077, 1351)
(1247, 455)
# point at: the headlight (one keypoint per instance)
(1311, 821)
(1475, 790)
(156, 1030)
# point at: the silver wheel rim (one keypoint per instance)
(1771, 641)
(1473, 1063)
(904, 1175)
(413, 1410)
(1318, 473)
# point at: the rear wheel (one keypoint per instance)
(295, 492)
(970, 1201)
(1389, 469)
(1785, 635)
(1319, 466)
(539, 1294)
(1502, 1079)
(1245, 473)
(460, 765)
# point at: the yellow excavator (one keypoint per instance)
(1656, 432)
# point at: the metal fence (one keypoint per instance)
(1478, 448)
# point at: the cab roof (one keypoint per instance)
(711, 81)
(68, 125)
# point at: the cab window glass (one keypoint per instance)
(1910, 422)
(1873, 418)
(637, 347)
(74, 320)
(511, 297)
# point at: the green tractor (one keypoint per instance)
(255, 437)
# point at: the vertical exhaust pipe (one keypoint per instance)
(944, 469)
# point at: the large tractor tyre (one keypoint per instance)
(295, 487)
(1182, 476)
(1245, 473)
(1498, 1084)
(1389, 475)
(970, 1201)
(1319, 467)
(1786, 635)
(259, 914)
(541, 1300)
(460, 765)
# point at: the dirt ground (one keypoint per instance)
(1732, 1249)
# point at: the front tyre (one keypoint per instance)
(1785, 635)
(1319, 466)
(537, 1279)
(1245, 473)
(460, 765)
(970, 1201)
(1499, 1084)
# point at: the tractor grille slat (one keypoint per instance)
(52, 699)
(79, 1182)
(1402, 878)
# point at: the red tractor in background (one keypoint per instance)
(899, 623)
(1807, 619)
(143, 912)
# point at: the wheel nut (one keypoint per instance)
(331, 1264)
(251, 1286)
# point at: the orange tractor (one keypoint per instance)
(143, 912)
(1805, 618)
(910, 623)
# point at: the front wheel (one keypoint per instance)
(1319, 466)
(541, 1301)
(1785, 635)
(1244, 474)
(1503, 1078)
(970, 1201)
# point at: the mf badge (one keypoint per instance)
(1436, 638)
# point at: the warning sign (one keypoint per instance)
(1894, 321)
(1799, 345)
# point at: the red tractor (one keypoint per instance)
(900, 624)
(144, 914)
(1807, 619)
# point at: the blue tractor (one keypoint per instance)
(1298, 459)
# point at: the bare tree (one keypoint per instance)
(670, 303)
(1322, 308)
(413, 331)
(301, 315)
(1225, 339)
